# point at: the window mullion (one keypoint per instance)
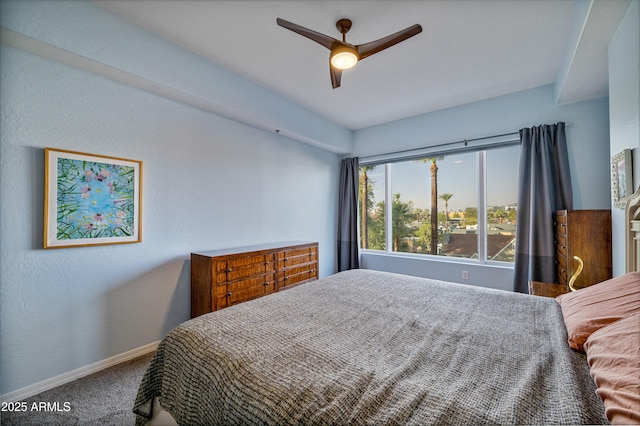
(388, 205)
(482, 206)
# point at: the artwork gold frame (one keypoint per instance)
(621, 178)
(91, 200)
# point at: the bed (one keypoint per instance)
(369, 347)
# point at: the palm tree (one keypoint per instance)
(434, 200)
(376, 227)
(364, 214)
(499, 214)
(446, 197)
(401, 215)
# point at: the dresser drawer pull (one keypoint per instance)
(229, 270)
(286, 278)
(228, 294)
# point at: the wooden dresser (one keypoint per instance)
(539, 288)
(222, 278)
(587, 234)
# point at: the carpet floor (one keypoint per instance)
(102, 398)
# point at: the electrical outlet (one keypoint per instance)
(465, 275)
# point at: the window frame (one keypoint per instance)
(481, 201)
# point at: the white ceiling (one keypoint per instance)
(468, 50)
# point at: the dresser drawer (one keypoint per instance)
(561, 260)
(246, 289)
(561, 244)
(562, 275)
(289, 258)
(297, 274)
(234, 269)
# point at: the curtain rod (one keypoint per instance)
(438, 148)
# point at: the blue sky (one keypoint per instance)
(457, 175)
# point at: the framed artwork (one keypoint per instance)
(621, 178)
(91, 199)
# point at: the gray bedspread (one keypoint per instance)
(367, 347)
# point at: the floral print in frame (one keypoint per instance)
(91, 199)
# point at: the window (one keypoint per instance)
(372, 207)
(456, 205)
(502, 195)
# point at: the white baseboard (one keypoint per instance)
(70, 376)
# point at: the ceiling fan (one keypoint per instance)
(345, 55)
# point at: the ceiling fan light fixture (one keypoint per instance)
(344, 57)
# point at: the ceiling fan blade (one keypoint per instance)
(336, 75)
(322, 39)
(368, 49)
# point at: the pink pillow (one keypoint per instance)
(592, 308)
(613, 353)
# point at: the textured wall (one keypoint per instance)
(209, 183)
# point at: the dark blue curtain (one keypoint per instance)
(348, 256)
(544, 188)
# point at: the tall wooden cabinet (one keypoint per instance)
(222, 278)
(586, 234)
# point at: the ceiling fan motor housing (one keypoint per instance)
(345, 55)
